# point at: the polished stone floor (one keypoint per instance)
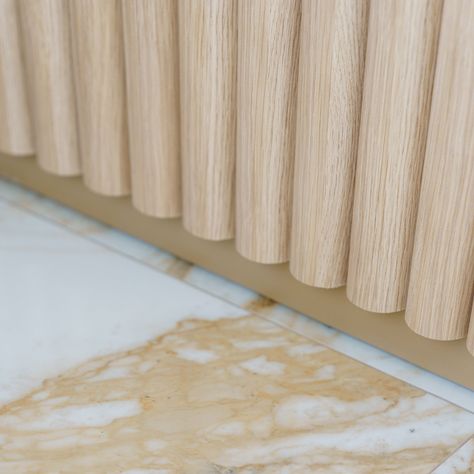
(117, 357)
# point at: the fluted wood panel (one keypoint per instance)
(151, 52)
(331, 70)
(442, 273)
(314, 148)
(208, 54)
(266, 100)
(470, 336)
(47, 44)
(16, 135)
(401, 54)
(100, 92)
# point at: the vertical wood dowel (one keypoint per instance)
(100, 92)
(151, 53)
(442, 273)
(16, 135)
(331, 70)
(400, 59)
(46, 34)
(207, 50)
(266, 101)
(470, 336)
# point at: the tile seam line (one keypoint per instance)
(55, 222)
(464, 443)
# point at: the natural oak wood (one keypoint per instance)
(151, 53)
(470, 336)
(266, 97)
(442, 273)
(208, 55)
(100, 92)
(331, 70)
(447, 359)
(47, 43)
(218, 79)
(16, 135)
(401, 54)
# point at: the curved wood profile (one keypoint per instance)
(16, 135)
(331, 72)
(442, 273)
(46, 34)
(400, 61)
(100, 91)
(151, 52)
(470, 336)
(266, 107)
(208, 55)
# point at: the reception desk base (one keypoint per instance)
(385, 331)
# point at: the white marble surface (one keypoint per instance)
(47, 304)
(108, 365)
(218, 286)
(238, 395)
(461, 462)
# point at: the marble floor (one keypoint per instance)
(117, 357)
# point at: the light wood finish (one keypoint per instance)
(442, 274)
(100, 92)
(400, 60)
(16, 135)
(208, 55)
(470, 336)
(447, 359)
(331, 71)
(266, 98)
(151, 52)
(46, 33)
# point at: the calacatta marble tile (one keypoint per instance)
(237, 294)
(461, 462)
(368, 354)
(109, 366)
(65, 299)
(232, 396)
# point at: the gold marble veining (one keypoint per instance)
(179, 268)
(461, 462)
(260, 304)
(229, 396)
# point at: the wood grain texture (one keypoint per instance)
(100, 91)
(16, 135)
(208, 55)
(470, 335)
(47, 43)
(331, 71)
(442, 274)
(400, 60)
(151, 53)
(266, 97)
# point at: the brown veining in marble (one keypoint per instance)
(461, 462)
(179, 268)
(230, 396)
(260, 304)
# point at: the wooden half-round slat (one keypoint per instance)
(151, 53)
(266, 114)
(470, 335)
(16, 137)
(400, 61)
(442, 273)
(100, 93)
(208, 55)
(331, 70)
(46, 33)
